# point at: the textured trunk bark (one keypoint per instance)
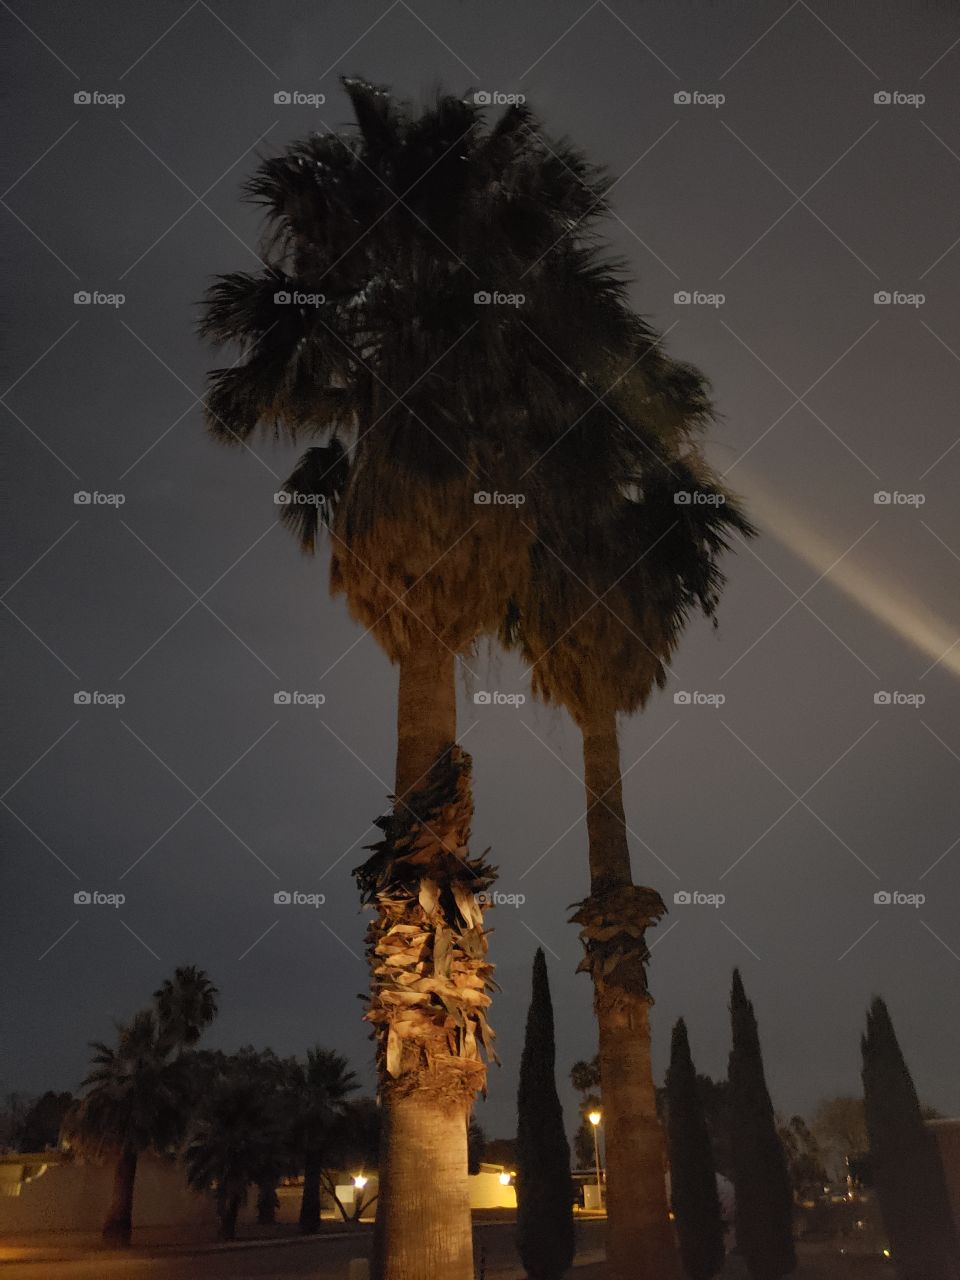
(310, 1200)
(640, 1241)
(423, 1226)
(119, 1224)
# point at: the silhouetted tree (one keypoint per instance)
(545, 1209)
(906, 1167)
(764, 1214)
(40, 1127)
(476, 1146)
(693, 1178)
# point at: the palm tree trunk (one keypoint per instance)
(267, 1201)
(118, 1227)
(423, 884)
(640, 1241)
(310, 1200)
(229, 1208)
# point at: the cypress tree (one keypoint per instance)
(544, 1198)
(764, 1215)
(906, 1166)
(693, 1177)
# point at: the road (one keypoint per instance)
(318, 1259)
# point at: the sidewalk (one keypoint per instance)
(153, 1242)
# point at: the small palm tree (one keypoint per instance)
(186, 1005)
(135, 1102)
(233, 1144)
(372, 333)
(321, 1087)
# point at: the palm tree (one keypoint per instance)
(235, 1139)
(186, 1005)
(321, 1087)
(368, 332)
(135, 1102)
(607, 597)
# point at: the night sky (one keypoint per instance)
(798, 198)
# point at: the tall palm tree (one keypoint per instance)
(186, 1004)
(321, 1086)
(607, 598)
(368, 331)
(135, 1102)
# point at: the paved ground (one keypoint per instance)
(329, 1259)
(317, 1258)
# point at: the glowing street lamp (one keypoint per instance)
(595, 1117)
(504, 1179)
(360, 1181)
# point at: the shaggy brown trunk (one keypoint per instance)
(119, 1224)
(640, 1241)
(426, 950)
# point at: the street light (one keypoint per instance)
(595, 1117)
